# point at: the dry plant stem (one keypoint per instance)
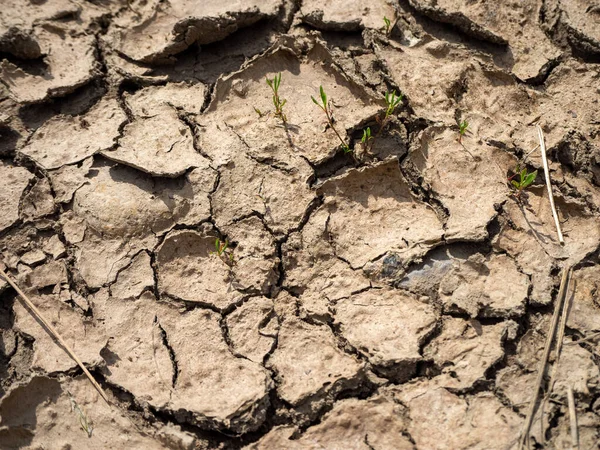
(524, 438)
(559, 339)
(573, 419)
(549, 185)
(36, 312)
(581, 341)
(330, 122)
(561, 334)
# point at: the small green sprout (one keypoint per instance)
(391, 100)
(388, 24)
(259, 112)
(525, 180)
(220, 246)
(326, 108)
(85, 423)
(277, 101)
(462, 129)
(224, 252)
(366, 137)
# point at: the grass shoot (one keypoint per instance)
(462, 130)
(224, 252)
(387, 25)
(326, 108)
(277, 101)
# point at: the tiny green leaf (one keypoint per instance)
(515, 184)
(323, 96)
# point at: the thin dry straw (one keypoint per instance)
(52, 331)
(549, 185)
(573, 419)
(524, 438)
(559, 339)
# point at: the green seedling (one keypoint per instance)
(259, 112)
(525, 180)
(366, 137)
(462, 130)
(326, 108)
(84, 422)
(392, 101)
(223, 251)
(220, 246)
(277, 101)
(388, 24)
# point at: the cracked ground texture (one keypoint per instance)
(394, 297)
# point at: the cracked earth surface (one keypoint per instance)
(395, 297)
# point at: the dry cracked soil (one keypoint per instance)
(397, 296)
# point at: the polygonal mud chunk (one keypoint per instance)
(47, 413)
(247, 187)
(584, 315)
(313, 271)
(388, 326)
(83, 335)
(163, 30)
(33, 257)
(515, 23)
(135, 278)
(346, 15)
(465, 351)
(459, 176)
(69, 62)
(372, 211)
(487, 287)
(69, 139)
(410, 67)
(517, 385)
(50, 274)
(14, 182)
(188, 269)
(161, 146)
(38, 202)
(254, 255)
(576, 22)
(66, 180)
(531, 239)
(237, 97)
(185, 365)
(153, 99)
(253, 328)
(577, 369)
(440, 420)
(308, 362)
(123, 211)
(425, 278)
(498, 109)
(136, 356)
(157, 141)
(588, 425)
(352, 424)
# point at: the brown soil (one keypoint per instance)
(393, 297)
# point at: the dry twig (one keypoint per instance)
(524, 438)
(573, 419)
(52, 331)
(549, 185)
